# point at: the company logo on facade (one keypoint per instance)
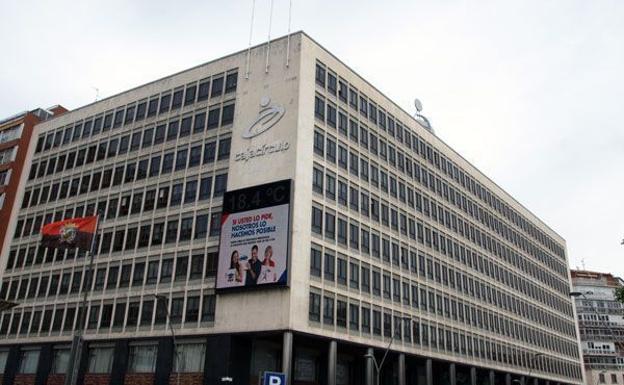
(269, 116)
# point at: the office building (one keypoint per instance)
(382, 234)
(601, 325)
(15, 139)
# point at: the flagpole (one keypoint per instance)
(71, 377)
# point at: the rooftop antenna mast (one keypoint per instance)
(253, 8)
(97, 93)
(288, 41)
(266, 68)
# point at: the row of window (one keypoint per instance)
(121, 145)
(118, 174)
(380, 247)
(369, 280)
(11, 133)
(328, 310)
(349, 196)
(357, 101)
(170, 230)
(134, 112)
(144, 271)
(8, 155)
(124, 314)
(336, 152)
(141, 358)
(119, 205)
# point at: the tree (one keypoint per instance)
(619, 294)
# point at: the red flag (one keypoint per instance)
(70, 233)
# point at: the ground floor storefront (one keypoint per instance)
(239, 359)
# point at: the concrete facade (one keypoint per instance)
(601, 324)
(466, 283)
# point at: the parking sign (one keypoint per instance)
(274, 378)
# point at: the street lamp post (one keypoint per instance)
(163, 300)
(371, 356)
(531, 367)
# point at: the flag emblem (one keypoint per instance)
(70, 233)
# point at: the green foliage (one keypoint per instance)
(619, 294)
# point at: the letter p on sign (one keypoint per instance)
(273, 378)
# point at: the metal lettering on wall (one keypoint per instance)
(268, 116)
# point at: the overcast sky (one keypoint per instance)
(530, 92)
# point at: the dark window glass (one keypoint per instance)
(204, 89)
(189, 96)
(217, 87)
(230, 82)
(213, 118)
(228, 115)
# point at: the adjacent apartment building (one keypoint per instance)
(15, 139)
(384, 235)
(601, 325)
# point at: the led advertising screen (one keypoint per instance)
(255, 230)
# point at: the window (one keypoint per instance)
(320, 75)
(342, 271)
(200, 123)
(197, 264)
(100, 360)
(29, 359)
(215, 224)
(328, 310)
(217, 87)
(317, 220)
(189, 96)
(142, 359)
(224, 148)
(230, 82)
(315, 263)
(227, 116)
(208, 308)
(192, 309)
(60, 361)
(220, 185)
(341, 313)
(319, 108)
(190, 356)
(329, 267)
(317, 180)
(213, 118)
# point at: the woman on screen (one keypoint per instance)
(268, 254)
(236, 266)
(269, 264)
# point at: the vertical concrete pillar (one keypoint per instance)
(370, 367)
(536, 381)
(401, 369)
(44, 365)
(331, 362)
(452, 374)
(507, 378)
(429, 371)
(473, 376)
(287, 346)
(492, 378)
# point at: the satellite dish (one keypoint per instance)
(418, 105)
